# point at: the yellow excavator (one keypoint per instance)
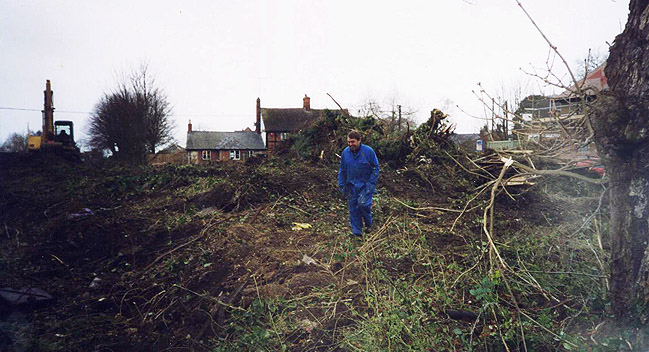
(57, 137)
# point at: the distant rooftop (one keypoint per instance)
(225, 140)
(461, 138)
(289, 120)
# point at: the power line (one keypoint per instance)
(211, 115)
(61, 111)
(183, 115)
(86, 112)
(5, 108)
(73, 112)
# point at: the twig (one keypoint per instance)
(222, 304)
(488, 213)
(599, 206)
(534, 282)
(480, 167)
(46, 212)
(462, 166)
(489, 232)
(427, 208)
(554, 48)
(365, 245)
(298, 209)
(465, 272)
(548, 330)
(124, 297)
(500, 333)
(332, 98)
(196, 238)
(560, 173)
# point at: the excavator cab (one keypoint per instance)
(64, 132)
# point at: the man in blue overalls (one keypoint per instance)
(357, 177)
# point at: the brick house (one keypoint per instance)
(279, 123)
(204, 147)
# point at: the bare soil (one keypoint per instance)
(176, 252)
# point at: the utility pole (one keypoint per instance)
(493, 118)
(392, 121)
(506, 122)
(399, 117)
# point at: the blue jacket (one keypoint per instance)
(358, 172)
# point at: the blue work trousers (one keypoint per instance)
(359, 214)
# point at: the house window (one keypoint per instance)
(251, 153)
(206, 155)
(235, 154)
(283, 136)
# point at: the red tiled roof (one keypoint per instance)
(594, 82)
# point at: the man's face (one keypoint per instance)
(354, 144)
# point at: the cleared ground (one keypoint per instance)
(258, 256)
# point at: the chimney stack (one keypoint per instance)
(189, 126)
(307, 102)
(258, 123)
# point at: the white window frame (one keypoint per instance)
(283, 136)
(206, 155)
(235, 155)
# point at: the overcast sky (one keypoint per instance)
(214, 58)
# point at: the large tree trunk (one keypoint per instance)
(620, 119)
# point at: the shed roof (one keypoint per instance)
(225, 140)
(289, 120)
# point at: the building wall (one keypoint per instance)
(273, 140)
(195, 156)
(223, 155)
(167, 158)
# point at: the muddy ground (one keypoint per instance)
(257, 256)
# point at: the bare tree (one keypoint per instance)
(132, 120)
(392, 115)
(15, 143)
(155, 108)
